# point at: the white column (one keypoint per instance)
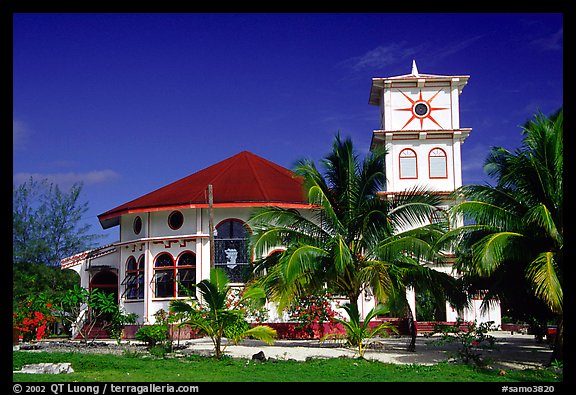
(411, 298)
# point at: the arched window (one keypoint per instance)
(172, 279)
(437, 163)
(140, 277)
(408, 163)
(186, 273)
(231, 249)
(134, 280)
(164, 268)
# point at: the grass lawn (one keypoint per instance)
(133, 367)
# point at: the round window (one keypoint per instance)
(175, 220)
(137, 225)
(421, 109)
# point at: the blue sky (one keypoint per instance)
(127, 103)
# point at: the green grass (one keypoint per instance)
(114, 368)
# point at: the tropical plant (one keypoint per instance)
(80, 306)
(353, 240)
(472, 339)
(358, 330)
(214, 319)
(513, 232)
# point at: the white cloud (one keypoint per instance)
(455, 47)
(381, 56)
(66, 180)
(552, 42)
(399, 53)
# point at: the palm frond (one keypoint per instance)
(342, 254)
(486, 213)
(180, 306)
(542, 272)
(318, 196)
(489, 252)
(262, 332)
(542, 217)
(299, 260)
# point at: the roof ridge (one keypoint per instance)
(229, 162)
(255, 174)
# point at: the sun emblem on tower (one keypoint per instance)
(421, 109)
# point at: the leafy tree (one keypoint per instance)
(80, 306)
(514, 230)
(354, 240)
(29, 280)
(47, 223)
(214, 319)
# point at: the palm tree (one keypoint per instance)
(514, 231)
(354, 239)
(358, 330)
(215, 320)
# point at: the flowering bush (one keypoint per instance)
(235, 301)
(32, 318)
(312, 310)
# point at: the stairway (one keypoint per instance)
(97, 332)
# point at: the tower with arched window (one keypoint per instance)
(420, 128)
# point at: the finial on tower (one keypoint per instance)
(414, 68)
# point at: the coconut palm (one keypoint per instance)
(354, 240)
(214, 319)
(358, 330)
(514, 231)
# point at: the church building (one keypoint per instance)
(164, 245)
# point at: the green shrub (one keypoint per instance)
(152, 334)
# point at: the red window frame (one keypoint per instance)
(415, 156)
(171, 274)
(445, 156)
(134, 278)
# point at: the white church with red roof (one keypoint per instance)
(164, 246)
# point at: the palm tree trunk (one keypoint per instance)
(217, 349)
(558, 352)
(411, 329)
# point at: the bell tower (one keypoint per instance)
(420, 126)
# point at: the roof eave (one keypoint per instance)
(111, 219)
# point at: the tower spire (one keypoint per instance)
(414, 68)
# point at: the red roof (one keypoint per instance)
(243, 180)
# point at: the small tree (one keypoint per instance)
(358, 331)
(79, 306)
(214, 319)
(46, 223)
